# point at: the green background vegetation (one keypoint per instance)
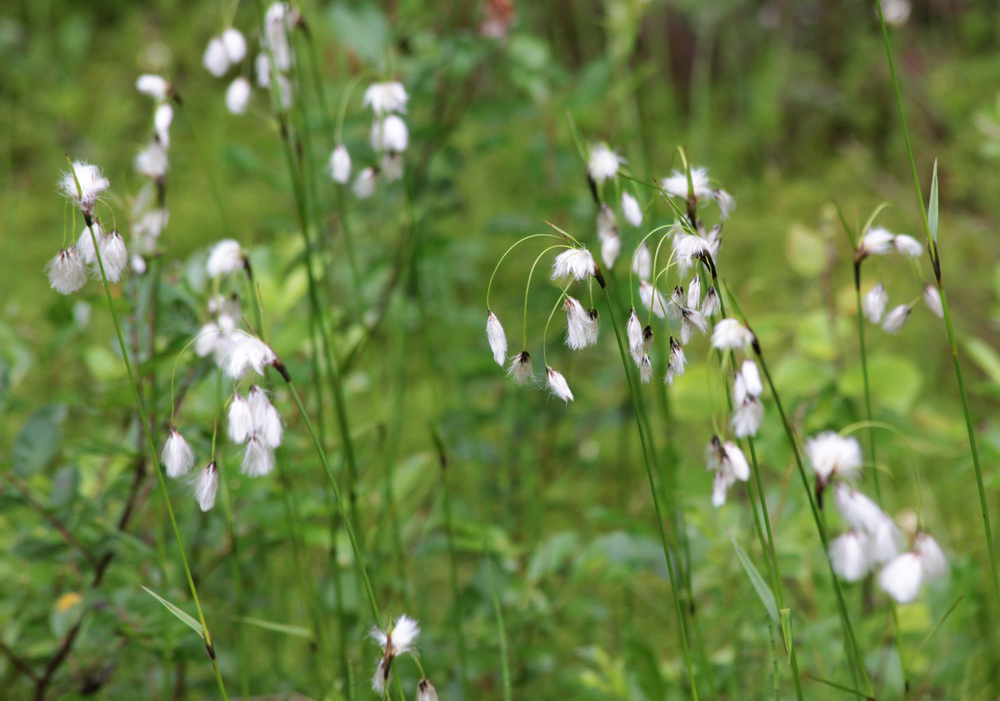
(789, 105)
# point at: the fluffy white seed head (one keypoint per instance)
(675, 366)
(603, 163)
(206, 486)
(611, 247)
(720, 485)
(726, 203)
(833, 455)
(645, 369)
(677, 184)
(874, 303)
(114, 256)
(66, 271)
(340, 165)
(633, 330)
(576, 263)
(860, 512)
(642, 262)
(215, 59)
(520, 369)
(240, 419)
(631, 209)
(426, 691)
(163, 117)
(688, 249)
(730, 334)
(747, 417)
(277, 22)
(496, 337)
(752, 385)
(849, 556)
(691, 320)
(710, 304)
(391, 166)
(581, 327)
(92, 184)
(907, 245)
(875, 242)
(902, 577)
(606, 223)
(227, 257)
(401, 639)
(266, 421)
(153, 85)
(152, 160)
(733, 460)
(694, 293)
(932, 557)
(652, 299)
(258, 459)
(933, 300)
(177, 456)
(895, 319)
(235, 45)
(247, 353)
(387, 97)
(364, 184)
(238, 95)
(557, 384)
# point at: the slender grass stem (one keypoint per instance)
(952, 344)
(508, 694)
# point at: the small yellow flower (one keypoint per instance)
(68, 601)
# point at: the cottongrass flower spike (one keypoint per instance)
(691, 319)
(603, 163)
(611, 247)
(694, 293)
(397, 640)
(215, 59)
(675, 366)
(266, 420)
(933, 300)
(581, 325)
(177, 455)
(895, 319)
(240, 419)
(520, 369)
(874, 303)
(386, 97)
(833, 456)
(875, 242)
(902, 577)
(748, 417)
(206, 486)
(558, 385)
(238, 95)
(849, 555)
(642, 262)
(364, 184)
(153, 85)
(258, 459)
(66, 271)
(426, 691)
(92, 184)
(932, 557)
(688, 249)
(633, 330)
(710, 304)
(496, 337)
(907, 245)
(226, 257)
(114, 255)
(631, 210)
(677, 184)
(390, 134)
(250, 353)
(340, 165)
(645, 369)
(577, 263)
(730, 334)
(729, 465)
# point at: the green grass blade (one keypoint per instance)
(298, 631)
(184, 618)
(763, 591)
(932, 207)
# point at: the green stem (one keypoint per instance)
(502, 635)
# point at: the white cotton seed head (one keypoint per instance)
(907, 245)
(833, 456)
(720, 486)
(152, 160)
(581, 327)
(340, 165)
(677, 184)
(747, 418)
(92, 184)
(557, 384)
(631, 209)
(932, 557)
(114, 256)
(603, 163)
(387, 97)
(874, 303)
(207, 338)
(688, 249)
(391, 166)
(240, 419)
(426, 691)
(66, 271)
(675, 366)
(735, 461)
(895, 319)
(576, 263)
(364, 184)
(206, 486)
(645, 369)
(258, 459)
(215, 59)
(730, 334)
(177, 456)
(884, 541)
(902, 577)
(153, 85)
(751, 378)
(726, 203)
(642, 262)
(163, 117)
(277, 21)
(849, 556)
(652, 299)
(633, 330)
(710, 304)
(933, 300)
(262, 67)
(390, 134)
(235, 45)
(520, 369)
(875, 242)
(691, 320)
(694, 293)
(380, 677)
(713, 241)
(611, 247)
(606, 223)
(496, 337)
(238, 95)
(247, 353)
(266, 422)
(860, 512)
(226, 257)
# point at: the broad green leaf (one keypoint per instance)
(362, 28)
(65, 485)
(277, 627)
(932, 207)
(184, 618)
(38, 441)
(763, 591)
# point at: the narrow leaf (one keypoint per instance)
(763, 591)
(786, 632)
(184, 618)
(932, 207)
(277, 627)
(847, 689)
(937, 627)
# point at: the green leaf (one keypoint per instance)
(985, 357)
(184, 618)
(364, 29)
(786, 632)
(38, 441)
(763, 591)
(276, 627)
(834, 685)
(65, 485)
(932, 207)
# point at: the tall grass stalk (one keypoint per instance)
(154, 456)
(508, 693)
(935, 257)
(654, 491)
